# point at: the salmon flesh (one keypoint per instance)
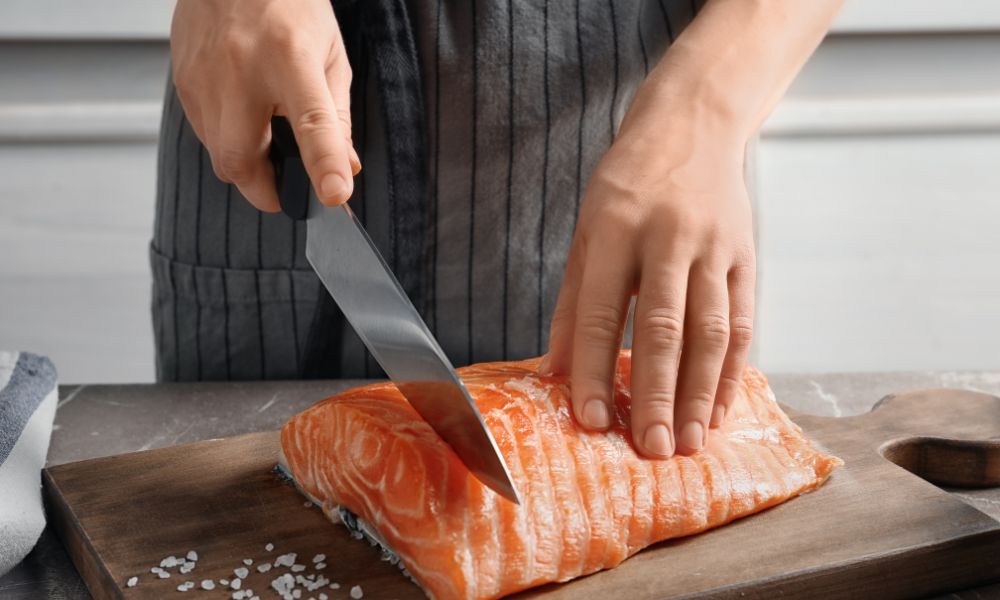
(588, 500)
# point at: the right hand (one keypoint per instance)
(238, 62)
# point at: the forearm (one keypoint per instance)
(733, 63)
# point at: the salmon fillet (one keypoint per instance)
(588, 500)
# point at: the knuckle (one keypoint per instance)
(713, 330)
(656, 400)
(232, 165)
(236, 48)
(602, 323)
(284, 38)
(741, 331)
(701, 400)
(729, 381)
(663, 327)
(313, 120)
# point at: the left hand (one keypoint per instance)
(665, 218)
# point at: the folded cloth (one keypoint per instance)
(28, 396)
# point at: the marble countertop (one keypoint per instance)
(103, 420)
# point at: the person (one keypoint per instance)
(527, 167)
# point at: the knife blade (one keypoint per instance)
(361, 283)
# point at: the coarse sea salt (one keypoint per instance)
(319, 558)
(263, 567)
(132, 581)
(235, 584)
(187, 585)
(241, 572)
(223, 582)
(285, 560)
(321, 565)
(207, 584)
(192, 555)
(269, 547)
(170, 561)
(248, 561)
(298, 568)
(356, 592)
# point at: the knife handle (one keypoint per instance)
(290, 177)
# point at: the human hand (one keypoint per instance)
(238, 62)
(665, 218)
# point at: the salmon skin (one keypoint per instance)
(588, 500)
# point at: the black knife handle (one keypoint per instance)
(290, 178)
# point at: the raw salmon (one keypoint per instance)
(588, 500)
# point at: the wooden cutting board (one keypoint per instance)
(874, 530)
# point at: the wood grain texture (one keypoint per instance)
(874, 530)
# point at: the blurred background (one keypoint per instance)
(877, 186)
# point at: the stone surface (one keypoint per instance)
(102, 420)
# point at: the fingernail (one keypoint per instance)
(333, 187)
(692, 436)
(595, 414)
(718, 415)
(355, 162)
(544, 368)
(657, 440)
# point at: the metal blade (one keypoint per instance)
(355, 274)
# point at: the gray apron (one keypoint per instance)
(518, 101)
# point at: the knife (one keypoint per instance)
(363, 286)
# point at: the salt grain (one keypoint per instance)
(321, 565)
(162, 574)
(248, 561)
(192, 555)
(298, 568)
(235, 584)
(307, 504)
(132, 581)
(223, 582)
(187, 585)
(238, 595)
(296, 594)
(269, 547)
(170, 561)
(285, 560)
(263, 567)
(319, 558)
(208, 584)
(356, 592)
(242, 572)
(322, 597)
(334, 586)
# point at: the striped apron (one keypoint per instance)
(516, 101)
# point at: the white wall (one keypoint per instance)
(878, 180)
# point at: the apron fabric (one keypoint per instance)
(519, 100)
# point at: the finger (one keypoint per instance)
(338, 80)
(657, 337)
(601, 309)
(706, 338)
(741, 309)
(193, 113)
(318, 131)
(239, 151)
(558, 359)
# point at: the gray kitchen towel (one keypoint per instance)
(28, 395)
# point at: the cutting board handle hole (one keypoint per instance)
(947, 462)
